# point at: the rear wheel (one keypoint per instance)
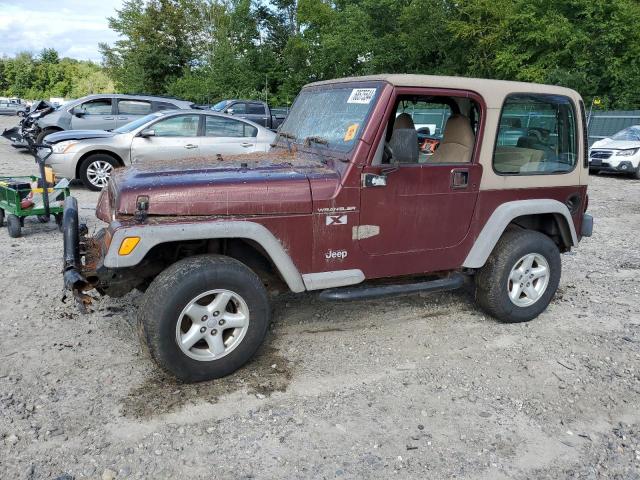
(520, 278)
(14, 225)
(96, 170)
(204, 317)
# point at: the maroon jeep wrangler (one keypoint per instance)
(345, 203)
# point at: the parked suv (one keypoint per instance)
(345, 203)
(618, 154)
(104, 112)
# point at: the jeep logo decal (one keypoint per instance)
(333, 254)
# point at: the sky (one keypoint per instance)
(73, 27)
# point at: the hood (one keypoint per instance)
(77, 135)
(609, 143)
(257, 184)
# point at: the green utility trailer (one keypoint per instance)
(13, 190)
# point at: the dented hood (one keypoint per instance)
(256, 184)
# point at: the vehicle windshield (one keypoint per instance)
(218, 107)
(131, 126)
(330, 116)
(631, 133)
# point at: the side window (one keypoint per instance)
(98, 107)
(165, 106)
(180, 126)
(226, 127)
(239, 108)
(256, 109)
(537, 135)
(133, 107)
(432, 130)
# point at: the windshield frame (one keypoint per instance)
(379, 85)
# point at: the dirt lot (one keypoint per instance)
(415, 387)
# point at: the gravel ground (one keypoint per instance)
(424, 386)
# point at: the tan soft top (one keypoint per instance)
(493, 91)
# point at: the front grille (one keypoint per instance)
(601, 154)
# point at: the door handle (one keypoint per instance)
(189, 146)
(459, 178)
(247, 145)
(108, 118)
(123, 118)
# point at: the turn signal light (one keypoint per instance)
(127, 245)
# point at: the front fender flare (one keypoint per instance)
(503, 215)
(152, 235)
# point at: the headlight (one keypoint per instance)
(627, 153)
(64, 147)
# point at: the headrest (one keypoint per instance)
(458, 130)
(404, 120)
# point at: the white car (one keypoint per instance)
(620, 153)
(91, 155)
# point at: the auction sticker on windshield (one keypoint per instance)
(362, 95)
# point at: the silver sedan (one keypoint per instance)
(91, 155)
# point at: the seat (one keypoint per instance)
(404, 140)
(457, 142)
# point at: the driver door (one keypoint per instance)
(425, 209)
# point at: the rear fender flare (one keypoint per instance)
(505, 214)
(152, 235)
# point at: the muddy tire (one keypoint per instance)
(96, 170)
(204, 317)
(14, 226)
(520, 278)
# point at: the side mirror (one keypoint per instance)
(230, 111)
(79, 112)
(147, 132)
(373, 180)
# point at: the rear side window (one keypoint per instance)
(227, 127)
(255, 109)
(133, 107)
(537, 135)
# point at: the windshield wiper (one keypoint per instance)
(315, 139)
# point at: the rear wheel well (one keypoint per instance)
(551, 224)
(97, 152)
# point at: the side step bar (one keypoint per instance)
(452, 282)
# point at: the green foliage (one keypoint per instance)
(47, 75)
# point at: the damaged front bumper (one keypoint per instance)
(74, 279)
(84, 257)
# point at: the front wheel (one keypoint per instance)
(520, 278)
(204, 317)
(96, 170)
